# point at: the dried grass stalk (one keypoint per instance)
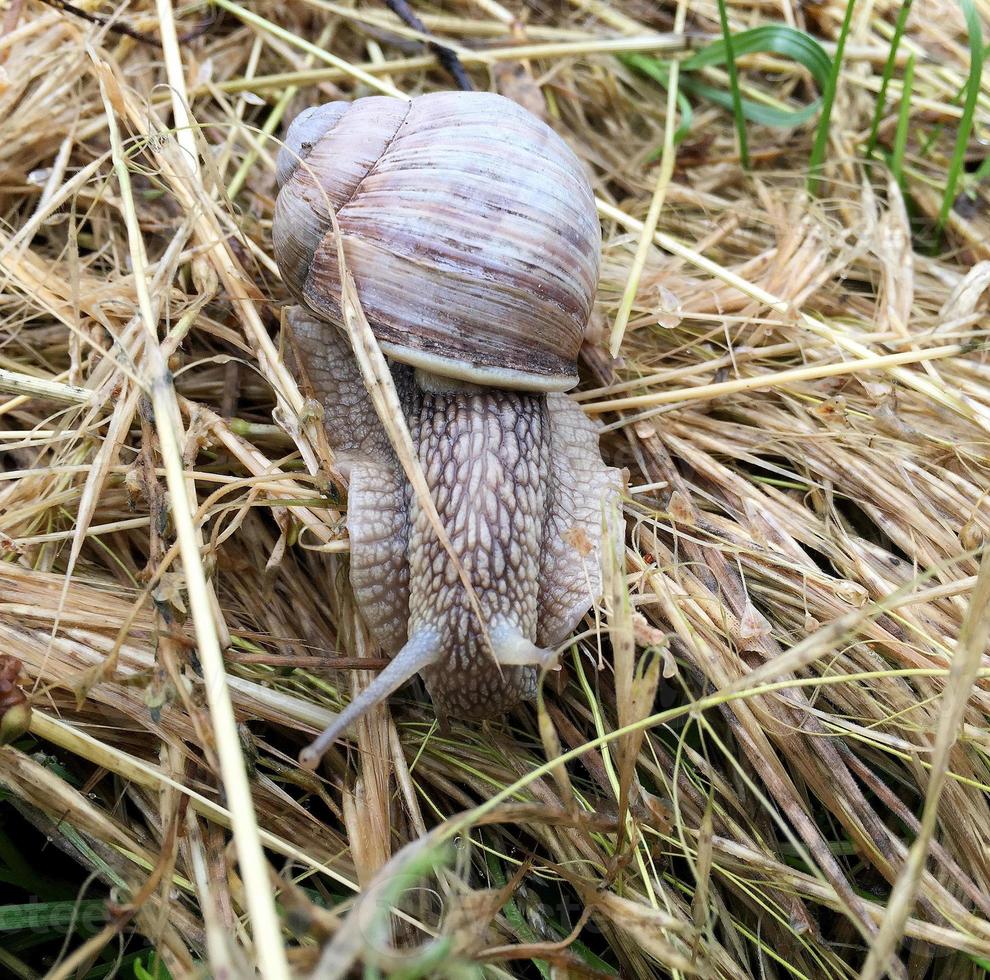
(767, 752)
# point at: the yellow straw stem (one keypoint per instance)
(925, 386)
(28, 386)
(266, 930)
(775, 380)
(669, 155)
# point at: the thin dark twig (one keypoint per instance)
(310, 663)
(447, 58)
(115, 28)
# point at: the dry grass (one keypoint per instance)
(775, 731)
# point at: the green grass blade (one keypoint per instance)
(982, 172)
(646, 65)
(52, 917)
(888, 72)
(730, 64)
(511, 911)
(687, 117)
(132, 965)
(660, 73)
(757, 112)
(156, 969)
(772, 39)
(976, 48)
(828, 98)
(903, 124)
(769, 39)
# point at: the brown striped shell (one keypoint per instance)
(468, 224)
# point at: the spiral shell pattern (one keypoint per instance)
(468, 224)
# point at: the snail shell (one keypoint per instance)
(468, 225)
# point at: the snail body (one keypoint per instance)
(470, 231)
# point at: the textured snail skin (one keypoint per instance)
(486, 457)
(522, 491)
(457, 211)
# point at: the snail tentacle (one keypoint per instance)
(421, 650)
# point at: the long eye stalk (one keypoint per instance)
(420, 651)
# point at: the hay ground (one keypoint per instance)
(793, 637)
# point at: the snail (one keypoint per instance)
(470, 231)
